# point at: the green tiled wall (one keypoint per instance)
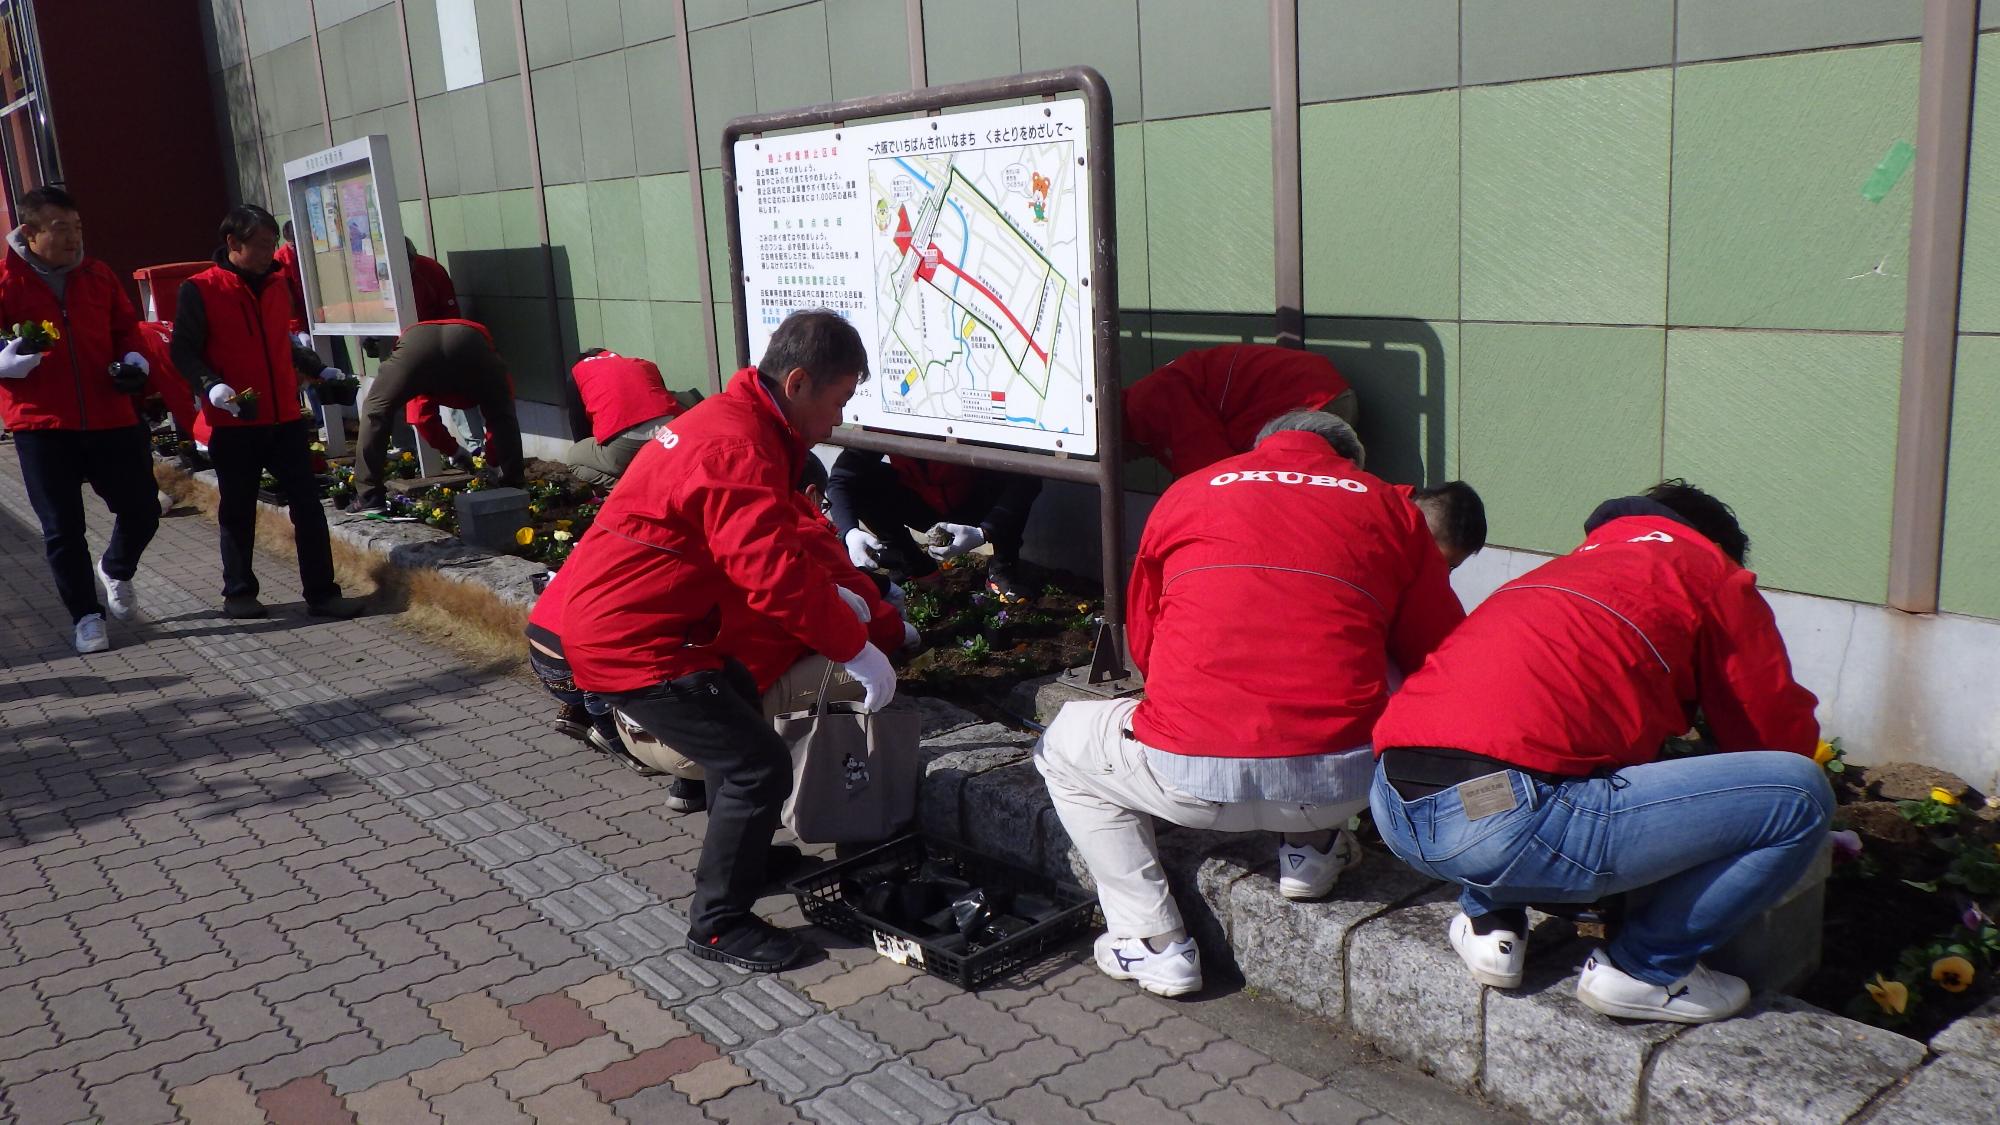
(1797, 432)
(1560, 246)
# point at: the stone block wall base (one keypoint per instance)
(1408, 991)
(1783, 1061)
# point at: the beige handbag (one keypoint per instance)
(854, 775)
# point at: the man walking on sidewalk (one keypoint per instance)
(231, 345)
(71, 424)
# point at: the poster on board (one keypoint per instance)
(959, 246)
(351, 257)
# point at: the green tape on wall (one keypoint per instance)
(1894, 163)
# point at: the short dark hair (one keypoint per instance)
(819, 340)
(813, 475)
(244, 221)
(1714, 519)
(34, 200)
(1462, 514)
(586, 353)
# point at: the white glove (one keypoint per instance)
(222, 396)
(303, 339)
(871, 670)
(331, 372)
(863, 549)
(138, 361)
(854, 602)
(963, 537)
(911, 638)
(893, 595)
(14, 365)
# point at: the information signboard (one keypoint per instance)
(351, 251)
(959, 245)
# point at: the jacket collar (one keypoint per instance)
(1631, 506)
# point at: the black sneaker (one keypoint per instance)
(753, 944)
(191, 459)
(572, 720)
(243, 607)
(362, 505)
(342, 608)
(684, 795)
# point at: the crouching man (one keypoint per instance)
(1521, 761)
(704, 518)
(1270, 593)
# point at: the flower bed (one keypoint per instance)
(560, 507)
(1910, 941)
(978, 644)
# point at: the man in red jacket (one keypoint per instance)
(705, 518)
(627, 400)
(71, 425)
(438, 363)
(1522, 761)
(1268, 598)
(1209, 404)
(231, 345)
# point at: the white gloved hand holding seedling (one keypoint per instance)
(222, 396)
(950, 540)
(863, 549)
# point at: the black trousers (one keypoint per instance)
(442, 360)
(241, 455)
(118, 466)
(716, 720)
(863, 488)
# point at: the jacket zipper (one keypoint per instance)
(82, 409)
(263, 339)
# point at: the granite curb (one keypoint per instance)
(1374, 957)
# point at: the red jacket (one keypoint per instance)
(1591, 661)
(703, 518)
(71, 388)
(156, 341)
(248, 346)
(287, 258)
(619, 392)
(1268, 597)
(944, 486)
(1209, 404)
(431, 287)
(423, 411)
(766, 648)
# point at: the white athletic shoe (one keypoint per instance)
(1699, 997)
(1174, 971)
(120, 597)
(1494, 959)
(166, 503)
(90, 634)
(1307, 873)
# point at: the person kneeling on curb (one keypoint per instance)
(705, 517)
(1522, 761)
(1270, 593)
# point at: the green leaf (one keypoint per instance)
(1930, 887)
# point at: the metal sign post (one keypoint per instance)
(809, 257)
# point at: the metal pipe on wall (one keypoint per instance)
(1286, 192)
(691, 130)
(1930, 322)
(573, 404)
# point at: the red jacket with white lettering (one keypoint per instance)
(619, 392)
(248, 346)
(1591, 661)
(1209, 404)
(71, 388)
(1269, 594)
(704, 517)
(766, 647)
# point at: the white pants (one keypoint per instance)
(1103, 788)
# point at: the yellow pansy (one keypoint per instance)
(1943, 796)
(1823, 753)
(562, 537)
(525, 536)
(407, 456)
(563, 525)
(1953, 974)
(1892, 996)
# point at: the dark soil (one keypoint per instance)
(977, 647)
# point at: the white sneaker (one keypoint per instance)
(166, 503)
(1174, 971)
(90, 634)
(120, 597)
(1699, 997)
(1495, 958)
(1307, 873)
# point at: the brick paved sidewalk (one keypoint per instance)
(307, 871)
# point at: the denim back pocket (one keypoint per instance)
(1473, 850)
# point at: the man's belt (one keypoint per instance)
(1419, 771)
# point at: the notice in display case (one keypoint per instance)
(351, 251)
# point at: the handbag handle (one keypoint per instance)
(825, 690)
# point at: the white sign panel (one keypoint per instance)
(348, 233)
(959, 246)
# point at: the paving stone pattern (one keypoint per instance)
(293, 870)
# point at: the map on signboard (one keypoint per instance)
(959, 246)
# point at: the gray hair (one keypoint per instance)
(1337, 432)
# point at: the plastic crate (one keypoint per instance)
(821, 897)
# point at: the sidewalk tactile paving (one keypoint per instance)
(651, 932)
(475, 824)
(894, 1091)
(592, 903)
(747, 1012)
(802, 1061)
(546, 874)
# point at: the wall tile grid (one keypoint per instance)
(1639, 226)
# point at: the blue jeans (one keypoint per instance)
(1714, 841)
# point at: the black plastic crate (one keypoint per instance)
(825, 904)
